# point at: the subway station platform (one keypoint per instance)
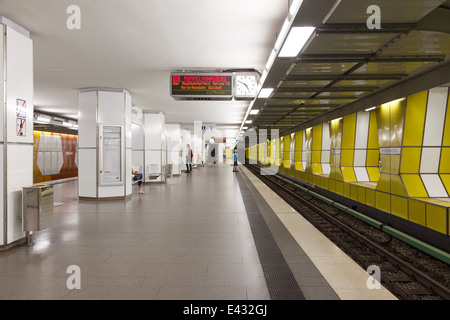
(209, 235)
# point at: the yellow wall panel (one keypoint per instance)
(370, 197)
(339, 187)
(397, 121)
(415, 119)
(332, 185)
(374, 173)
(354, 192)
(383, 201)
(384, 183)
(317, 138)
(349, 129)
(383, 122)
(317, 168)
(444, 166)
(446, 180)
(348, 174)
(347, 190)
(399, 207)
(414, 185)
(410, 160)
(372, 158)
(361, 194)
(417, 212)
(347, 158)
(446, 140)
(373, 132)
(395, 164)
(316, 156)
(436, 218)
(397, 187)
(298, 166)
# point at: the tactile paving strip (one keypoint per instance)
(280, 281)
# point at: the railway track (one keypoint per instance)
(398, 274)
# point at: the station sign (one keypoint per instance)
(201, 86)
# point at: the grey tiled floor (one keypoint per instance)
(187, 239)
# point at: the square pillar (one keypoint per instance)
(104, 144)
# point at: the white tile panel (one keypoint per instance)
(1, 181)
(326, 169)
(434, 185)
(362, 130)
(2, 34)
(87, 119)
(325, 136)
(429, 162)
(435, 116)
(111, 107)
(361, 174)
(325, 158)
(19, 83)
(87, 173)
(20, 174)
(360, 158)
(137, 137)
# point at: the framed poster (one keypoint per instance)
(111, 155)
(21, 117)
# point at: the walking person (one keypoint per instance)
(235, 158)
(189, 157)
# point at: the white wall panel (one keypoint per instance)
(154, 129)
(361, 174)
(435, 116)
(111, 108)
(1, 198)
(362, 130)
(110, 191)
(360, 158)
(2, 35)
(325, 136)
(325, 158)
(87, 173)
(128, 175)
(87, 120)
(430, 160)
(137, 137)
(434, 185)
(128, 131)
(19, 175)
(19, 83)
(326, 168)
(137, 159)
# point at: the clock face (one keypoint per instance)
(245, 86)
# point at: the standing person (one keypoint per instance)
(189, 157)
(137, 177)
(235, 158)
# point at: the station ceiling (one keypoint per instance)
(136, 44)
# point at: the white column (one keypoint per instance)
(155, 147)
(16, 119)
(104, 143)
(173, 131)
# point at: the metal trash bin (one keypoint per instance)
(169, 170)
(38, 204)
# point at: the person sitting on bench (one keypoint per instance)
(138, 177)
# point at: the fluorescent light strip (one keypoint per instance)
(253, 112)
(265, 93)
(295, 41)
(370, 109)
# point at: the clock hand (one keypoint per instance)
(245, 84)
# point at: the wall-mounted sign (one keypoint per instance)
(201, 86)
(21, 117)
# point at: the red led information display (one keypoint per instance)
(191, 86)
